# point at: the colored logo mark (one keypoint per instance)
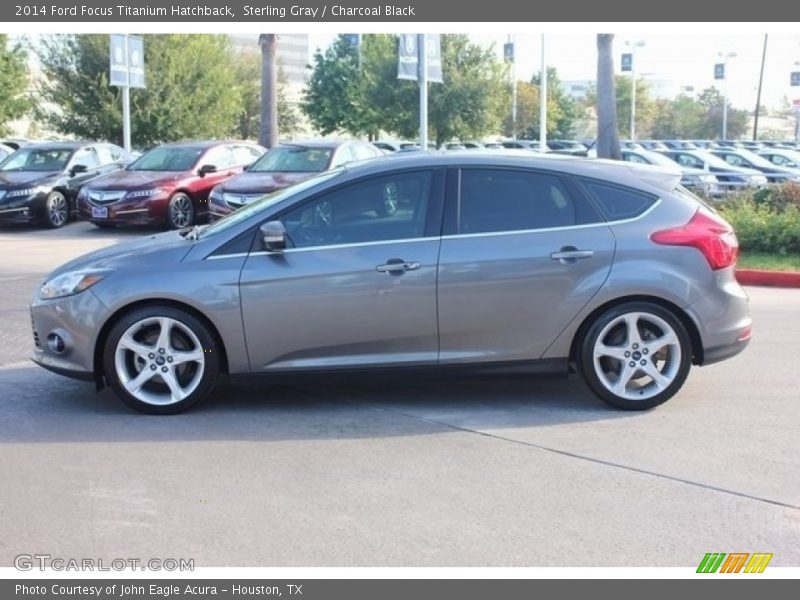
(735, 562)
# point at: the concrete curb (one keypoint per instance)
(787, 279)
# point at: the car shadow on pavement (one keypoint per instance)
(37, 406)
(78, 230)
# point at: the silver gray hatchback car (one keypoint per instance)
(487, 262)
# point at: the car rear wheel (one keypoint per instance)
(180, 211)
(56, 210)
(161, 360)
(636, 356)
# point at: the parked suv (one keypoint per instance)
(40, 182)
(167, 186)
(494, 262)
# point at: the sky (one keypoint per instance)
(686, 59)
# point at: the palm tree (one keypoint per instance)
(268, 132)
(607, 136)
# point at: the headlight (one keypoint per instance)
(216, 192)
(690, 180)
(25, 192)
(142, 193)
(70, 283)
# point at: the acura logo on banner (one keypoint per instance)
(408, 57)
(719, 71)
(627, 62)
(508, 52)
(795, 79)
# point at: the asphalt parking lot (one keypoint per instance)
(357, 473)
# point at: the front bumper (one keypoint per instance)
(23, 209)
(139, 211)
(76, 321)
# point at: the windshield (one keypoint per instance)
(266, 202)
(167, 158)
(37, 159)
(713, 160)
(756, 160)
(654, 158)
(293, 159)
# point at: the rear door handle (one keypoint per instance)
(397, 266)
(570, 254)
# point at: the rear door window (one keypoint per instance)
(497, 200)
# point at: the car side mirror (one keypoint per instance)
(206, 169)
(273, 236)
(76, 169)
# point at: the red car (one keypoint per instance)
(167, 186)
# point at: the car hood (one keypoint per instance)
(255, 182)
(136, 179)
(9, 179)
(159, 248)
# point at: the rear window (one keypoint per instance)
(618, 202)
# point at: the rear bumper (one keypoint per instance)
(713, 355)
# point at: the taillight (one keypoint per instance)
(706, 232)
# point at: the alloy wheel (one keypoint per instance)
(181, 211)
(637, 355)
(159, 361)
(57, 209)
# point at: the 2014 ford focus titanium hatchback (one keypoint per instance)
(491, 262)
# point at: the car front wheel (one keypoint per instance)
(56, 210)
(636, 355)
(161, 360)
(180, 211)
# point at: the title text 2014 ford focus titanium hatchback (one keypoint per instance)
(494, 262)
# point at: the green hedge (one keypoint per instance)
(767, 220)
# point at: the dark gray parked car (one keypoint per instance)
(493, 262)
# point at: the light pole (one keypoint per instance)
(543, 102)
(724, 58)
(633, 46)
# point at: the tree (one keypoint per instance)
(607, 130)
(248, 76)
(645, 105)
(362, 97)
(191, 90)
(562, 110)
(268, 130)
(699, 118)
(469, 104)
(14, 102)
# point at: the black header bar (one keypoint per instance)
(391, 11)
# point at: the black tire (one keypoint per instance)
(211, 358)
(180, 211)
(586, 358)
(56, 210)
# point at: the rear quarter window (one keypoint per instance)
(617, 202)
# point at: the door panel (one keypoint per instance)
(501, 297)
(526, 252)
(357, 287)
(331, 307)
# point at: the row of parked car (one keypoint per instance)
(179, 184)
(173, 185)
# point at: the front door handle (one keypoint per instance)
(569, 254)
(397, 266)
